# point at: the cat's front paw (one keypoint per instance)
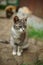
(14, 53)
(19, 53)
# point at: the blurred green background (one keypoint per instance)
(5, 3)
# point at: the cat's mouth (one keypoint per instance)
(21, 29)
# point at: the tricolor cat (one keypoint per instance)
(18, 34)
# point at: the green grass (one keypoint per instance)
(39, 63)
(35, 33)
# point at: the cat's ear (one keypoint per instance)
(16, 19)
(25, 19)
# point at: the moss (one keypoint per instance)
(35, 33)
(39, 63)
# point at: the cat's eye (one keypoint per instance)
(20, 26)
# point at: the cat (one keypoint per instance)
(18, 34)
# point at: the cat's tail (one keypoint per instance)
(4, 41)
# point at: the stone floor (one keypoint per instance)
(29, 55)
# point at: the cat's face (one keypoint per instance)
(19, 24)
